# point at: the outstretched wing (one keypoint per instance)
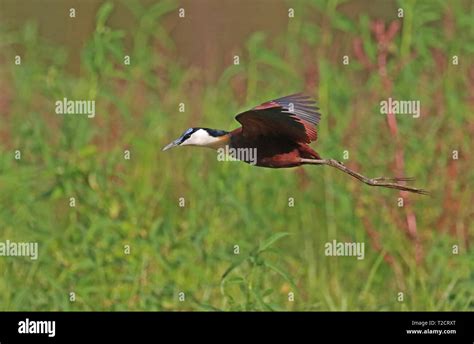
(295, 117)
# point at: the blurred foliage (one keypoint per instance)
(134, 202)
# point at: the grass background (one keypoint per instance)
(191, 249)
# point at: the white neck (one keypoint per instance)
(203, 139)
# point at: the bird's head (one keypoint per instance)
(204, 137)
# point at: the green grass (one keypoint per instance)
(190, 249)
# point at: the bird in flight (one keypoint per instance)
(280, 132)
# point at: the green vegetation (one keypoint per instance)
(190, 249)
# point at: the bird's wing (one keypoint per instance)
(295, 117)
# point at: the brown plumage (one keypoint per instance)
(280, 130)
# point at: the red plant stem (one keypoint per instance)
(384, 37)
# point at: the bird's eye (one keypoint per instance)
(185, 136)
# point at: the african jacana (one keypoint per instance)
(280, 131)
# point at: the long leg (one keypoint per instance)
(381, 181)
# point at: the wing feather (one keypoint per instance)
(295, 116)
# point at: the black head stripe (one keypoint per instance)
(187, 134)
(215, 132)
